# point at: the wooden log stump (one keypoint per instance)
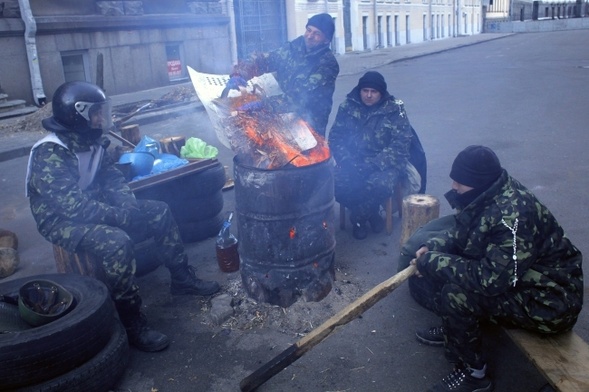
(9, 261)
(417, 211)
(84, 263)
(172, 144)
(8, 239)
(81, 263)
(131, 133)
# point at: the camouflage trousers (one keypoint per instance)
(362, 192)
(115, 248)
(463, 311)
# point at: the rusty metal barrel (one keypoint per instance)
(286, 230)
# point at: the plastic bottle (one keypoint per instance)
(226, 245)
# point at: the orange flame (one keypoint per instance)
(267, 133)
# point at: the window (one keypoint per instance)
(75, 66)
(365, 32)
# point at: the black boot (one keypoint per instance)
(141, 336)
(376, 223)
(184, 281)
(359, 231)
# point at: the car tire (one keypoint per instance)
(42, 353)
(98, 374)
(201, 230)
(201, 184)
(197, 208)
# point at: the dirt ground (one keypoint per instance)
(296, 320)
(29, 123)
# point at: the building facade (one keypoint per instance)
(372, 24)
(123, 46)
(127, 46)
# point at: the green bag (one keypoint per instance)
(196, 148)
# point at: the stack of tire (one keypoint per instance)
(85, 350)
(196, 201)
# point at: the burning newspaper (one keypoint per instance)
(261, 138)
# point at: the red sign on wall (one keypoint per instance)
(174, 68)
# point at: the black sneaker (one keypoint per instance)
(432, 337)
(461, 380)
(359, 231)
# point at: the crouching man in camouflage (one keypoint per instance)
(376, 149)
(502, 258)
(82, 202)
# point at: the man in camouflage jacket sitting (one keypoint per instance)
(305, 70)
(502, 258)
(82, 202)
(372, 142)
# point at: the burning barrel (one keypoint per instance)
(286, 231)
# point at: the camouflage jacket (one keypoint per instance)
(306, 79)
(478, 252)
(56, 197)
(379, 134)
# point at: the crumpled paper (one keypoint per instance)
(196, 148)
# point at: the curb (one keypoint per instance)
(415, 55)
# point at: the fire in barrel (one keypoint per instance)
(284, 202)
(286, 231)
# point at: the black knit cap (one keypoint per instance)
(375, 80)
(323, 22)
(476, 167)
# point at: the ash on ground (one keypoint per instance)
(28, 123)
(298, 319)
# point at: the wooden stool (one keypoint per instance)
(82, 263)
(131, 133)
(388, 207)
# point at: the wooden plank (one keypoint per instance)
(156, 179)
(316, 336)
(563, 359)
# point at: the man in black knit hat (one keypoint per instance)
(375, 149)
(305, 70)
(502, 258)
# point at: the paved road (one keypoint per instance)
(522, 95)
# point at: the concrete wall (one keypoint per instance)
(524, 9)
(133, 47)
(531, 26)
(14, 68)
(135, 58)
